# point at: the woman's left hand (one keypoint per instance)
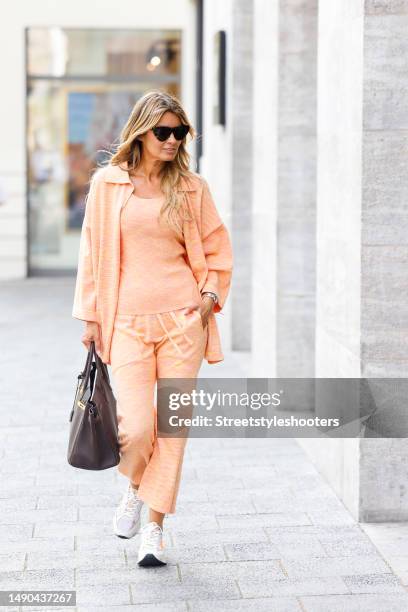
(205, 309)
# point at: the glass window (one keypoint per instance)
(81, 87)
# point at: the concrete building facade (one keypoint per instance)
(325, 237)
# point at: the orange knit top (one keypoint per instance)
(154, 272)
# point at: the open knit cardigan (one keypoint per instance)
(207, 241)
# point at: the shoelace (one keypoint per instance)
(152, 536)
(130, 503)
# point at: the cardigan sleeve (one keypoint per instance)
(85, 307)
(217, 249)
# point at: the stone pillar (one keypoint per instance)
(384, 256)
(284, 193)
(241, 169)
(296, 255)
(264, 192)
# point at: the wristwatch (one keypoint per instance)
(212, 295)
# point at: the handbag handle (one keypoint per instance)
(84, 375)
(100, 365)
(91, 352)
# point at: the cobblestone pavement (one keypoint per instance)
(256, 527)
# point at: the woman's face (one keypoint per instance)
(162, 151)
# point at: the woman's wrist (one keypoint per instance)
(213, 296)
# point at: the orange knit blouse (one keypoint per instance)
(155, 275)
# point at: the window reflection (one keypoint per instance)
(81, 87)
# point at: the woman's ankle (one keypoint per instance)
(156, 517)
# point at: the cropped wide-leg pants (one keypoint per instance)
(146, 347)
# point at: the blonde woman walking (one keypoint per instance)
(155, 266)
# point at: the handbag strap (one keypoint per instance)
(99, 364)
(88, 363)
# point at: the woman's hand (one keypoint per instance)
(92, 332)
(205, 309)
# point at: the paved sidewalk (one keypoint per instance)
(256, 527)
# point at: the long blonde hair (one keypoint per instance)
(145, 114)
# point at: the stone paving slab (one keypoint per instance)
(175, 606)
(210, 589)
(315, 567)
(256, 526)
(201, 572)
(253, 587)
(355, 603)
(264, 604)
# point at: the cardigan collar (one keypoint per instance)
(120, 174)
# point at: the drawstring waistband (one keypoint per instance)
(177, 322)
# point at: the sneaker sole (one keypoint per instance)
(132, 533)
(150, 561)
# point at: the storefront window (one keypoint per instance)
(81, 87)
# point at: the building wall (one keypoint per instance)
(338, 228)
(264, 189)
(362, 246)
(296, 222)
(330, 232)
(242, 170)
(384, 258)
(217, 160)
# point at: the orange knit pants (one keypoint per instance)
(146, 347)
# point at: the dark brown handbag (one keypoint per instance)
(93, 438)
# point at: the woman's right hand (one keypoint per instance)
(92, 332)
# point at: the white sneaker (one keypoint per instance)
(151, 552)
(126, 520)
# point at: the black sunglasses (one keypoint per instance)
(162, 132)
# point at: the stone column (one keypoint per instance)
(241, 169)
(384, 256)
(284, 195)
(264, 192)
(296, 255)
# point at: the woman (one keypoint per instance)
(155, 265)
